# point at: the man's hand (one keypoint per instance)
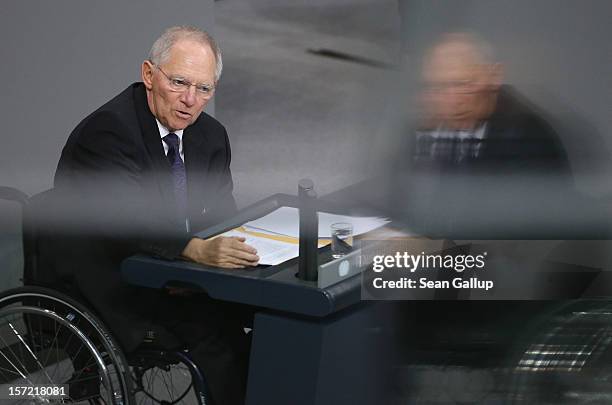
(230, 253)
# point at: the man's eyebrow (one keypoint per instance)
(179, 76)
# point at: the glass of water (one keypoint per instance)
(341, 239)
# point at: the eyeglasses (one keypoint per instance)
(459, 87)
(180, 85)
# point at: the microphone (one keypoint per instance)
(309, 231)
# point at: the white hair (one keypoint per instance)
(160, 51)
(482, 51)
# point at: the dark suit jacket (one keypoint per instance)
(114, 197)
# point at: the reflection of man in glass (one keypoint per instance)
(478, 149)
(470, 118)
(461, 83)
(481, 164)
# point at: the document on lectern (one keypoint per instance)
(285, 221)
(271, 251)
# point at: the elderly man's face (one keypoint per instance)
(190, 61)
(458, 87)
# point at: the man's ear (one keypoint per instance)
(496, 75)
(146, 74)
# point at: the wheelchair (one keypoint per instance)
(50, 339)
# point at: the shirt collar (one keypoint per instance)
(478, 133)
(163, 131)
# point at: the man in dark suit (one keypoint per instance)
(139, 175)
(483, 164)
(480, 149)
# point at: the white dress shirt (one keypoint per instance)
(476, 133)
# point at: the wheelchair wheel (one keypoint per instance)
(568, 357)
(48, 339)
(167, 378)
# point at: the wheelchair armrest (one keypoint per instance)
(13, 194)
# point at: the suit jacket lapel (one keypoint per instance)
(155, 150)
(197, 160)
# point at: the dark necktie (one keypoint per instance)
(178, 173)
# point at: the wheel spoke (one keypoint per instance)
(19, 371)
(31, 352)
(41, 343)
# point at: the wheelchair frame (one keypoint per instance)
(71, 318)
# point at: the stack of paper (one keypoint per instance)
(285, 221)
(276, 235)
(270, 251)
